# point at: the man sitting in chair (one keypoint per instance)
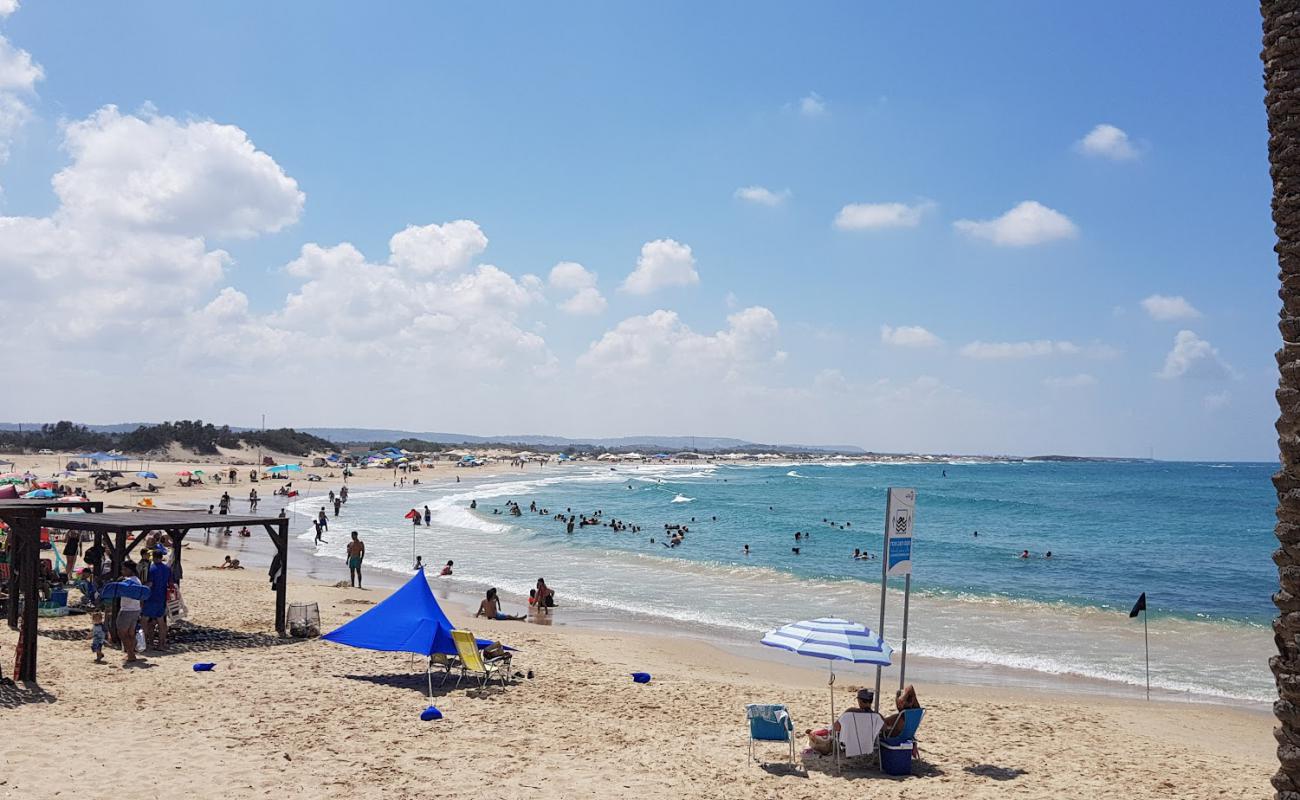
(857, 729)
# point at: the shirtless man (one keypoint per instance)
(491, 608)
(356, 553)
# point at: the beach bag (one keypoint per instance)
(176, 608)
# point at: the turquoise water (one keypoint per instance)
(1195, 537)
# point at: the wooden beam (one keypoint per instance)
(119, 556)
(178, 538)
(28, 531)
(281, 539)
(11, 604)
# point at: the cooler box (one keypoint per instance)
(896, 758)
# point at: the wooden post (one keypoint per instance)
(15, 559)
(28, 530)
(119, 556)
(282, 543)
(178, 538)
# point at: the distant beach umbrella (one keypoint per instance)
(184, 473)
(147, 474)
(834, 640)
(40, 494)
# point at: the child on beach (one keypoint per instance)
(97, 635)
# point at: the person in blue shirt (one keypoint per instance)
(154, 609)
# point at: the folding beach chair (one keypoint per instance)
(446, 663)
(472, 660)
(859, 735)
(769, 723)
(911, 721)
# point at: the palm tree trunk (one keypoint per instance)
(1281, 55)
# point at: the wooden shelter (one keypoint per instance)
(25, 519)
(118, 526)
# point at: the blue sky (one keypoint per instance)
(581, 134)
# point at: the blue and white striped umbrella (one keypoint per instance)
(835, 639)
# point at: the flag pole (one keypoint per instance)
(1146, 640)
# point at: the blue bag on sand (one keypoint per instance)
(204, 666)
(641, 677)
(430, 713)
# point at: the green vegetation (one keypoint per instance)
(196, 435)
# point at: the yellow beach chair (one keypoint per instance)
(472, 660)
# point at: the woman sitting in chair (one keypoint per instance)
(894, 722)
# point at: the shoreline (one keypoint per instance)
(306, 562)
(464, 595)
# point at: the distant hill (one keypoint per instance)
(668, 443)
(671, 444)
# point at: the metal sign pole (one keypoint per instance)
(1147, 641)
(884, 575)
(902, 666)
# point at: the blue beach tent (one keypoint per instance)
(407, 621)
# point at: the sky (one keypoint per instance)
(1005, 228)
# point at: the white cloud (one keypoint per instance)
(571, 276)
(831, 381)
(1217, 401)
(1029, 223)
(125, 251)
(437, 248)
(663, 263)
(1078, 381)
(1193, 357)
(908, 336)
(1107, 141)
(586, 299)
(761, 195)
(19, 75)
(585, 302)
(124, 258)
(873, 216)
(812, 105)
(157, 173)
(657, 346)
(1165, 308)
(1035, 349)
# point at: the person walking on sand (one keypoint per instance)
(252, 500)
(356, 554)
(128, 614)
(319, 538)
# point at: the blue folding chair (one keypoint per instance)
(911, 721)
(769, 723)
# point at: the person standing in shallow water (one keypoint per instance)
(356, 554)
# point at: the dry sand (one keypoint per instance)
(314, 719)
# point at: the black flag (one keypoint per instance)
(1139, 606)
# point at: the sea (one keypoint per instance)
(1195, 537)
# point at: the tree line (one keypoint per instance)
(196, 435)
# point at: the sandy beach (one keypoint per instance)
(310, 718)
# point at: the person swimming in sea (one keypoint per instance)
(746, 549)
(1024, 554)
